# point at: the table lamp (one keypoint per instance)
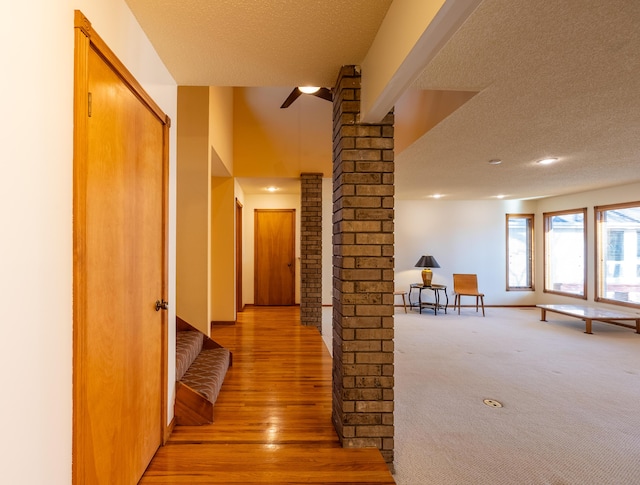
(427, 262)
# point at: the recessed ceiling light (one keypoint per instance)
(495, 162)
(500, 196)
(436, 196)
(271, 189)
(547, 161)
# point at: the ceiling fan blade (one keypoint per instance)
(324, 93)
(295, 94)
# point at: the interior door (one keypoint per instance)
(119, 274)
(275, 256)
(239, 299)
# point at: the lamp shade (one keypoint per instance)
(427, 262)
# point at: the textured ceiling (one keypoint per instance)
(259, 42)
(553, 78)
(556, 79)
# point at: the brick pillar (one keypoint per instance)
(311, 250)
(363, 165)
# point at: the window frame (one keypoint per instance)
(598, 215)
(547, 217)
(530, 227)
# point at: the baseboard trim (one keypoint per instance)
(253, 305)
(496, 306)
(168, 430)
(473, 306)
(222, 322)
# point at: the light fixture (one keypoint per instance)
(500, 196)
(427, 262)
(547, 161)
(271, 189)
(436, 196)
(309, 89)
(495, 162)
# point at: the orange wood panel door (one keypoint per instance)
(275, 256)
(239, 302)
(119, 274)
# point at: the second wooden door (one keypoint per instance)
(119, 273)
(275, 256)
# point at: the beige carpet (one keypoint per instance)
(571, 401)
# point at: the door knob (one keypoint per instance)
(162, 305)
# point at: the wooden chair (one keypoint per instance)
(404, 301)
(466, 285)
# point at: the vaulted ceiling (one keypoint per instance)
(518, 81)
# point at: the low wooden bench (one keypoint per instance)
(589, 314)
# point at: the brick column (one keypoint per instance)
(311, 250)
(363, 165)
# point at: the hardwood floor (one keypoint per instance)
(272, 420)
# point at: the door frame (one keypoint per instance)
(86, 39)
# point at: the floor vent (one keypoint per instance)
(492, 403)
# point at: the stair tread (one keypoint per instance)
(206, 374)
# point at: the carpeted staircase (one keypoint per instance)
(201, 366)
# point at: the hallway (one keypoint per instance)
(272, 417)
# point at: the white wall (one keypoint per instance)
(268, 201)
(464, 237)
(36, 260)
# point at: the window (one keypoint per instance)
(615, 245)
(618, 254)
(565, 249)
(520, 252)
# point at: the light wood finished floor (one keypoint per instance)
(272, 417)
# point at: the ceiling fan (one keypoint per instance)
(324, 93)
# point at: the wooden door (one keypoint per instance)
(239, 302)
(275, 256)
(119, 272)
